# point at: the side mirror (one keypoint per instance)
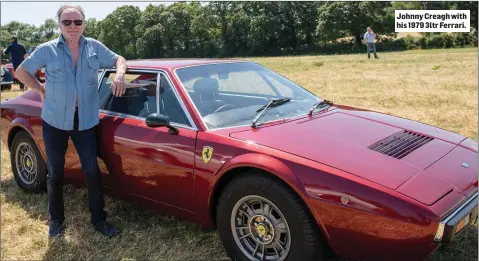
(155, 120)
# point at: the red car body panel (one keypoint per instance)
(40, 74)
(341, 140)
(379, 204)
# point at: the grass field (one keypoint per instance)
(438, 87)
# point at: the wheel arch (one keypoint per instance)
(19, 125)
(273, 168)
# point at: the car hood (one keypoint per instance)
(353, 141)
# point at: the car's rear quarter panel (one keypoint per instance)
(22, 112)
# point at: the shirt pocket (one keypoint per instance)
(55, 72)
(92, 70)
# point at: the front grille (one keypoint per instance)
(400, 144)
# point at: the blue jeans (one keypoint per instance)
(371, 46)
(56, 144)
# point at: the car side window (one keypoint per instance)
(169, 103)
(139, 99)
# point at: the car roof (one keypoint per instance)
(172, 64)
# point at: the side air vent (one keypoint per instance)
(400, 144)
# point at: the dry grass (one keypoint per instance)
(438, 87)
(14, 92)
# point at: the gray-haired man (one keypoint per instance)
(369, 38)
(71, 109)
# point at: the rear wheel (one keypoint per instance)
(6, 87)
(28, 167)
(259, 218)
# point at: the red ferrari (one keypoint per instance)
(280, 173)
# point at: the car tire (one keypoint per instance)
(299, 235)
(6, 87)
(28, 167)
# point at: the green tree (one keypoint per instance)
(232, 22)
(265, 27)
(117, 30)
(149, 41)
(205, 34)
(342, 19)
(26, 33)
(92, 28)
(48, 29)
(5, 39)
(472, 6)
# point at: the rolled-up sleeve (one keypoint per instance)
(36, 60)
(106, 57)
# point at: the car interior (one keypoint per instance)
(221, 107)
(215, 95)
(140, 98)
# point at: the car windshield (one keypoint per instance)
(230, 94)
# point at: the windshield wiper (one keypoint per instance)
(319, 104)
(271, 104)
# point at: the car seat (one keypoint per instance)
(206, 90)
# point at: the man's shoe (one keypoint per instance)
(56, 229)
(106, 228)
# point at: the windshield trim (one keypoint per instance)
(205, 126)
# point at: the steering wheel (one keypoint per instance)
(224, 107)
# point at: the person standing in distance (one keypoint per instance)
(71, 109)
(17, 55)
(369, 38)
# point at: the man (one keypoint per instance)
(369, 38)
(17, 55)
(71, 109)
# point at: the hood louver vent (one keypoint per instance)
(400, 144)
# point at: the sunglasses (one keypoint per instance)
(69, 22)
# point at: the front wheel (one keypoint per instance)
(28, 167)
(261, 219)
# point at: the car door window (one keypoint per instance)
(139, 99)
(169, 103)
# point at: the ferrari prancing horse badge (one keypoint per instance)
(207, 153)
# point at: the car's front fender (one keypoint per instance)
(268, 164)
(263, 162)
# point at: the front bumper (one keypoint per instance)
(457, 221)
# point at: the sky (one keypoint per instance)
(36, 12)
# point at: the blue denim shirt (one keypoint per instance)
(369, 37)
(63, 82)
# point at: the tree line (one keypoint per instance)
(229, 29)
